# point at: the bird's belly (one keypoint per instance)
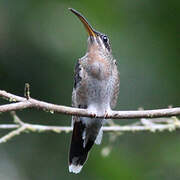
(97, 90)
(95, 94)
(99, 93)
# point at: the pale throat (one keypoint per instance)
(97, 60)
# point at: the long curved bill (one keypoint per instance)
(88, 27)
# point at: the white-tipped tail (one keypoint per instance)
(75, 168)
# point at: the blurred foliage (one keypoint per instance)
(40, 42)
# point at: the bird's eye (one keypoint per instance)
(105, 39)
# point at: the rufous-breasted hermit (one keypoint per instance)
(96, 88)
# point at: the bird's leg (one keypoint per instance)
(93, 112)
(94, 115)
(106, 113)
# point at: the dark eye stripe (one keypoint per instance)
(105, 41)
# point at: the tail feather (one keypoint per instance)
(78, 152)
(99, 137)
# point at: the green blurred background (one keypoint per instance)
(40, 42)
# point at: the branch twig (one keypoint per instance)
(19, 103)
(20, 127)
(22, 103)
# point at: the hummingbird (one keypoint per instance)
(96, 88)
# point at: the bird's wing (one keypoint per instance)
(116, 83)
(77, 82)
(77, 74)
(79, 89)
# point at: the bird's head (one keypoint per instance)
(96, 40)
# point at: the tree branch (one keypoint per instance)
(152, 125)
(20, 103)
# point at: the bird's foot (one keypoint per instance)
(106, 114)
(93, 114)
